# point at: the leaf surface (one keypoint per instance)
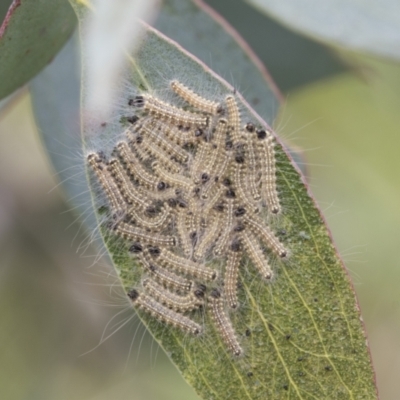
(302, 335)
(365, 26)
(32, 33)
(293, 60)
(206, 35)
(55, 94)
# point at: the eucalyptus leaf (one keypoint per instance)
(206, 35)
(302, 335)
(32, 33)
(293, 60)
(4, 6)
(203, 33)
(365, 26)
(55, 94)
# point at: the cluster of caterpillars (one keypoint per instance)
(185, 187)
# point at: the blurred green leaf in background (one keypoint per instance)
(367, 26)
(31, 34)
(354, 169)
(292, 60)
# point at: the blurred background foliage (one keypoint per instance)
(341, 108)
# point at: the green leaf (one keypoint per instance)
(206, 35)
(203, 33)
(55, 94)
(4, 6)
(360, 172)
(292, 59)
(366, 26)
(31, 35)
(301, 334)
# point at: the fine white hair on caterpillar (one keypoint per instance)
(222, 322)
(152, 130)
(233, 119)
(267, 236)
(227, 225)
(193, 191)
(99, 167)
(162, 313)
(167, 112)
(231, 278)
(130, 192)
(167, 278)
(253, 249)
(177, 302)
(202, 104)
(266, 157)
(132, 233)
(187, 267)
(133, 165)
(208, 239)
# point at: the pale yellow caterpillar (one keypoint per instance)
(222, 322)
(162, 275)
(168, 112)
(205, 105)
(114, 197)
(252, 248)
(162, 313)
(177, 302)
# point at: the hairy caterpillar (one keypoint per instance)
(216, 174)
